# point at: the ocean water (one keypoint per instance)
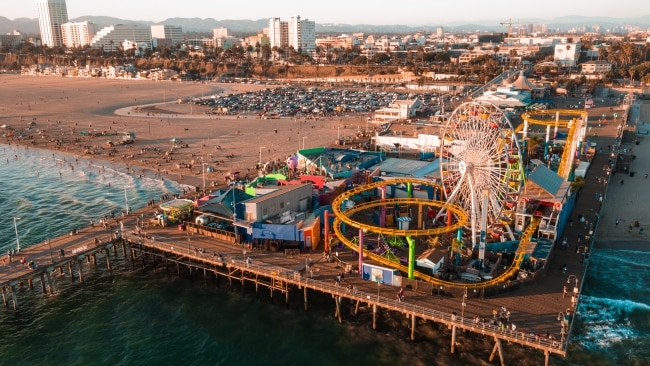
(140, 317)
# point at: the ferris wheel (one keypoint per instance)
(481, 168)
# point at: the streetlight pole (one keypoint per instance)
(261, 147)
(203, 170)
(17, 237)
(463, 304)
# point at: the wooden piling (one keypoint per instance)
(374, 316)
(546, 357)
(338, 301)
(43, 287)
(497, 347)
(453, 338)
(70, 269)
(49, 282)
(304, 290)
(413, 326)
(14, 296)
(108, 260)
(4, 297)
(81, 272)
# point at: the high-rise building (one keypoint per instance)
(278, 33)
(302, 34)
(77, 34)
(51, 15)
(167, 34)
(297, 33)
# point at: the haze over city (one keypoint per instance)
(417, 12)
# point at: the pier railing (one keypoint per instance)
(297, 278)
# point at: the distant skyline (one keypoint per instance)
(413, 13)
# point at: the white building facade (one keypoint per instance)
(78, 34)
(51, 15)
(114, 37)
(297, 33)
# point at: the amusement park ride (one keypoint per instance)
(475, 199)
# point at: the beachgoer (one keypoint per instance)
(564, 292)
(400, 294)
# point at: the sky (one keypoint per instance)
(410, 12)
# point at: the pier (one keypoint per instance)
(538, 307)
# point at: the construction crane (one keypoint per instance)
(509, 23)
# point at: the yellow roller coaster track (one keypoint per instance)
(561, 122)
(461, 218)
(565, 118)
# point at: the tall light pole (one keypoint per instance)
(17, 237)
(261, 147)
(463, 304)
(203, 170)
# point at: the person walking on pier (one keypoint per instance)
(564, 292)
(400, 294)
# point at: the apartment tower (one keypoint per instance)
(51, 15)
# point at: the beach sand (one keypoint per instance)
(66, 112)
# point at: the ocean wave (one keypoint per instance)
(621, 257)
(607, 321)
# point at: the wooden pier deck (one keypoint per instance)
(278, 272)
(534, 306)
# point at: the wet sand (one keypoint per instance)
(81, 117)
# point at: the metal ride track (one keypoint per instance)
(461, 218)
(572, 119)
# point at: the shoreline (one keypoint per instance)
(223, 143)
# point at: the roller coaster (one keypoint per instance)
(574, 120)
(459, 218)
(481, 174)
